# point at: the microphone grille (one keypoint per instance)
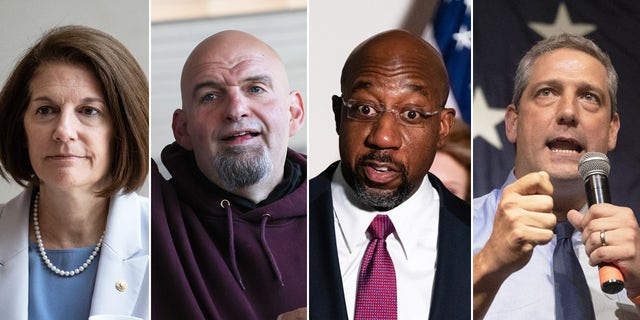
(594, 163)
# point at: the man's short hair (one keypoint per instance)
(564, 41)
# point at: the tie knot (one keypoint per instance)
(563, 230)
(381, 227)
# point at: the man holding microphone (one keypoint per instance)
(564, 105)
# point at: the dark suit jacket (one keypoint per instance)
(451, 298)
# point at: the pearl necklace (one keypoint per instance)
(43, 253)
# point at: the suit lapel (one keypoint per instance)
(326, 294)
(122, 280)
(451, 295)
(14, 257)
(452, 283)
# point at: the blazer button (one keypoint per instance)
(121, 285)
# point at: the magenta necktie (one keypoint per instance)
(376, 295)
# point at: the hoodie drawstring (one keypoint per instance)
(232, 246)
(267, 249)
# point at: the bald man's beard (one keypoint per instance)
(242, 166)
(372, 195)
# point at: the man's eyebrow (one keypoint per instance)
(546, 83)
(206, 84)
(361, 84)
(260, 78)
(417, 88)
(582, 85)
(219, 85)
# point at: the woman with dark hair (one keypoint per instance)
(74, 119)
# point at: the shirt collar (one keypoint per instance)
(354, 218)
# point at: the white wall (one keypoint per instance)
(335, 28)
(23, 22)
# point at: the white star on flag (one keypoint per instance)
(463, 38)
(485, 119)
(562, 24)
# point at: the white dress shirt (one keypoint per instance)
(412, 247)
(528, 293)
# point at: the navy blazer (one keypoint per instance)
(451, 298)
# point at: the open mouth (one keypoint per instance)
(380, 172)
(381, 169)
(381, 166)
(241, 135)
(565, 145)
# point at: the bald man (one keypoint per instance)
(229, 227)
(390, 119)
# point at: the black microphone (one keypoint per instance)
(594, 169)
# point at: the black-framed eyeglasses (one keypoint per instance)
(408, 115)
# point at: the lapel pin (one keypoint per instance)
(121, 285)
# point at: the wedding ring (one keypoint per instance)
(602, 239)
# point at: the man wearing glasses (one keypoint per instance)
(387, 239)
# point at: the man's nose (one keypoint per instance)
(385, 132)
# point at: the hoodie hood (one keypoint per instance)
(206, 197)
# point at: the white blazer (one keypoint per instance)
(124, 259)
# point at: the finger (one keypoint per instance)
(575, 218)
(593, 229)
(540, 236)
(620, 245)
(538, 220)
(593, 241)
(531, 235)
(613, 254)
(532, 183)
(297, 314)
(625, 225)
(515, 203)
(603, 210)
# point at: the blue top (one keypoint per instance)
(528, 293)
(54, 297)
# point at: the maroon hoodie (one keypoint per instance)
(217, 256)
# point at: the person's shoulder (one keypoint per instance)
(297, 157)
(15, 210)
(156, 176)
(488, 200)
(458, 207)
(134, 203)
(21, 200)
(2, 209)
(325, 175)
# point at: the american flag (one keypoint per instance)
(452, 32)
